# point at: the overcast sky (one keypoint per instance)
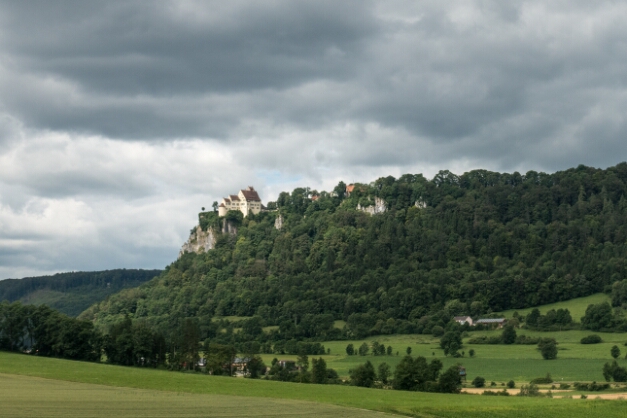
(120, 120)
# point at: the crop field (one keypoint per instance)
(95, 392)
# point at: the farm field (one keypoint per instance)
(179, 389)
(500, 363)
(68, 399)
(577, 307)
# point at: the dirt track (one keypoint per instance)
(557, 393)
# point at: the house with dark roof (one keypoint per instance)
(246, 201)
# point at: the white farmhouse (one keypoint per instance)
(246, 201)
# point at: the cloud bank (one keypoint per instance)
(119, 120)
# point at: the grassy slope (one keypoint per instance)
(410, 403)
(577, 307)
(68, 399)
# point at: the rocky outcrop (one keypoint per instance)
(420, 204)
(228, 227)
(379, 206)
(199, 241)
(278, 222)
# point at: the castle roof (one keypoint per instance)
(250, 194)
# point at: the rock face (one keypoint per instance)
(378, 207)
(199, 241)
(202, 241)
(278, 222)
(420, 204)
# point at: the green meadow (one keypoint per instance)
(96, 392)
(25, 396)
(499, 363)
(577, 307)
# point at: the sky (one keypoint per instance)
(119, 120)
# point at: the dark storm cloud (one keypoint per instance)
(118, 117)
(115, 68)
(158, 49)
(478, 73)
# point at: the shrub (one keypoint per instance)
(499, 393)
(529, 390)
(541, 380)
(511, 384)
(478, 382)
(548, 348)
(591, 387)
(614, 371)
(523, 339)
(471, 352)
(483, 339)
(564, 386)
(591, 339)
(437, 331)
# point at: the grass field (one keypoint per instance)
(500, 363)
(577, 307)
(19, 397)
(24, 396)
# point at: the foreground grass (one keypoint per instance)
(25, 396)
(407, 403)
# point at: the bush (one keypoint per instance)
(614, 371)
(591, 387)
(483, 339)
(591, 339)
(499, 393)
(478, 382)
(511, 384)
(529, 390)
(564, 386)
(541, 380)
(548, 348)
(525, 340)
(437, 331)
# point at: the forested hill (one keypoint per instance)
(72, 293)
(468, 244)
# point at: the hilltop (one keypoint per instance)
(72, 293)
(395, 255)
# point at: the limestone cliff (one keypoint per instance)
(379, 206)
(199, 241)
(202, 241)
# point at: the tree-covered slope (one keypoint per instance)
(72, 293)
(468, 244)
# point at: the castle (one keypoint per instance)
(246, 201)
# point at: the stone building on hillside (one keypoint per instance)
(246, 201)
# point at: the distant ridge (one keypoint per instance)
(72, 293)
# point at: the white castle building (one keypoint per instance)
(246, 201)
